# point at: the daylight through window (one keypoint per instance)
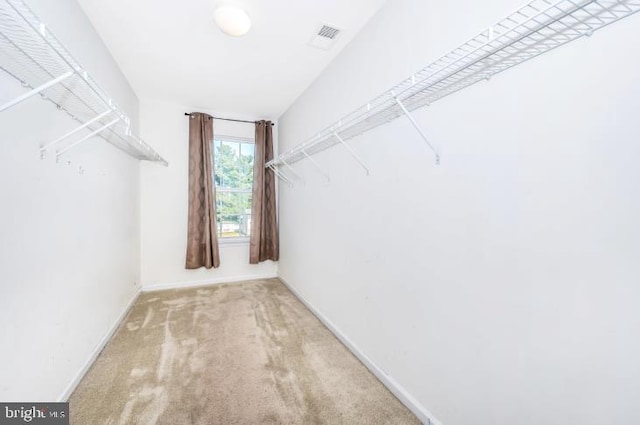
(233, 177)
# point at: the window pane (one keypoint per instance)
(248, 151)
(233, 164)
(234, 214)
(234, 181)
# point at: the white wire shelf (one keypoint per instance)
(32, 55)
(532, 30)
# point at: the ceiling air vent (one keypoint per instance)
(328, 32)
(325, 37)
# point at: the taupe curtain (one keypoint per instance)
(264, 243)
(202, 239)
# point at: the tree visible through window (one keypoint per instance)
(233, 177)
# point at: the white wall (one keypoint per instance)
(502, 286)
(69, 243)
(165, 198)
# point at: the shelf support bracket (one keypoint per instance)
(315, 164)
(352, 152)
(280, 174)
(36, 91)
(75, 130)
(290, 168)
(417, 127)
(88, 136)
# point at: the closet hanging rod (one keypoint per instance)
(228, 119)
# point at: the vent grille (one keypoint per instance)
(325, 37)
(328, 32)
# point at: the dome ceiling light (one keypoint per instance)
(232, 20)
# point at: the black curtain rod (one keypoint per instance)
(228, 119)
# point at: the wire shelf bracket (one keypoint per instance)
(31, 54)
(532, 30)
(35, 91)
(417, 127)
(315, 164)
(352, 152)
(87, 137)
(281, 175)
(44, 148)
(295, 174)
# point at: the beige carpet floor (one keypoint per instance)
(247, 353)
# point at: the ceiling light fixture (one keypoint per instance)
(232, 20)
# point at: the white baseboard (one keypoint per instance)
(407, 399)
(96, 351)
(230, 279)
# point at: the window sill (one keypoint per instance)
(233, 241)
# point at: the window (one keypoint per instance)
(233, 178)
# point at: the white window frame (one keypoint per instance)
(239, 240)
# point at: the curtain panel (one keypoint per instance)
(202, 238)
(264, 244)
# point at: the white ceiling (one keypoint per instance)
(172, 50)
